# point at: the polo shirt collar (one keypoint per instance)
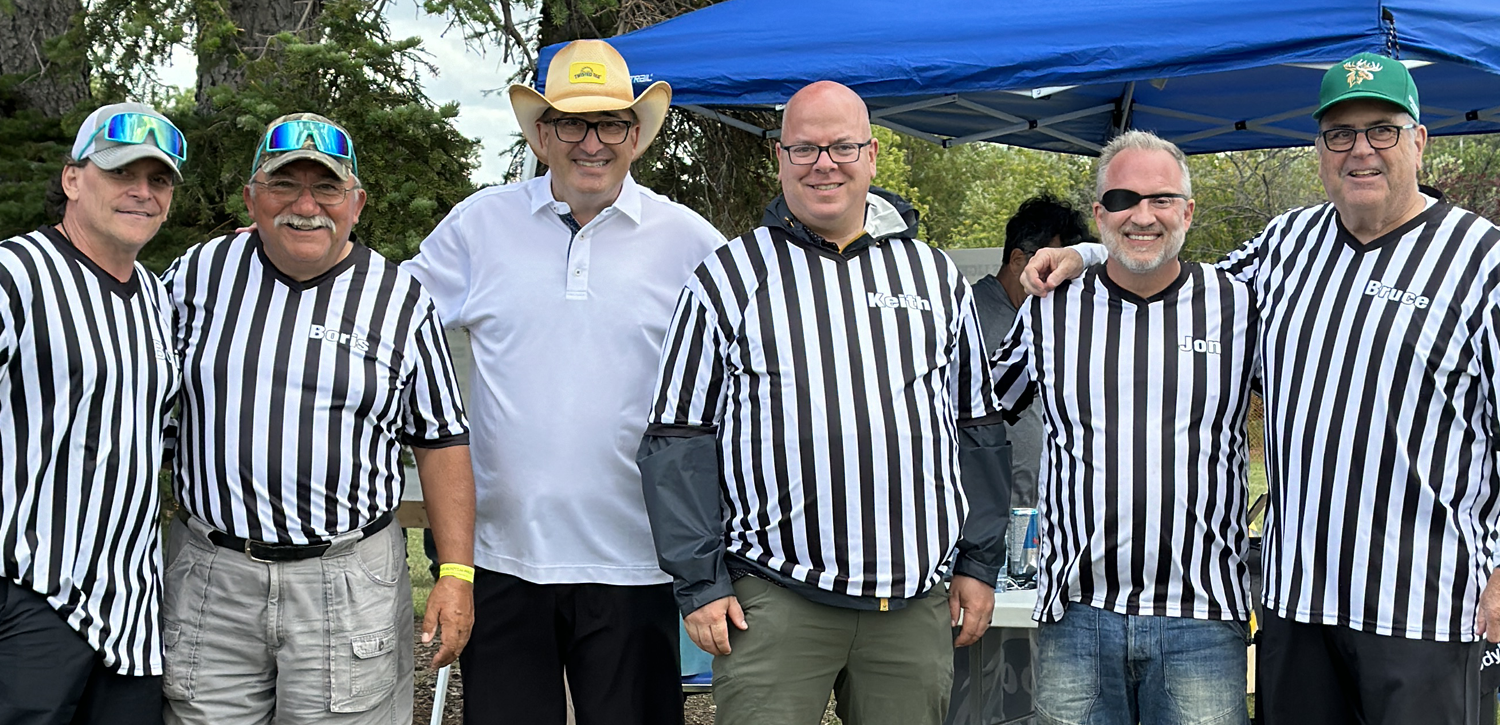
(540, 191)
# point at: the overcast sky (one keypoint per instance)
(463, 76)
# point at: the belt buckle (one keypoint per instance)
(249, 551)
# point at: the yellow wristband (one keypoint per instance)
(457, 571)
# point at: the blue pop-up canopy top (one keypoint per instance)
(1066, 75)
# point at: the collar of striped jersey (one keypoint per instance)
(107, 281)
(887, 216)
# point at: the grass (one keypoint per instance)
(421, 576)
(1257, 482)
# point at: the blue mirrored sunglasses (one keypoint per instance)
(134, 127)
(291, 135)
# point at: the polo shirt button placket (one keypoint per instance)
(578, 263)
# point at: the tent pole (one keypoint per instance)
(1123, 107)
(728, 120)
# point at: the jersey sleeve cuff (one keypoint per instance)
(459, 439)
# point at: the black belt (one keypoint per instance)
(261, 551)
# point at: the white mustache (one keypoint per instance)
(309, 222)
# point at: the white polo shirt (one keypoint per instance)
(567, 332)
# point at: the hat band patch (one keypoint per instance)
(586, 73)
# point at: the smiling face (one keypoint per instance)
(1373, 189)
(827, 197)
(302, 237)
(1148, 235)
(587, 172)
(116, 209)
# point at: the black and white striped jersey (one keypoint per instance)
(86, 377)
(1381, 416)
(837, 382)
(1144, 472)
(297, 396)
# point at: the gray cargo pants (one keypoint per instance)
(322, 640)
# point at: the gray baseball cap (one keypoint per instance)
(95, 144)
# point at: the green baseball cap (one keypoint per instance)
(1368, 75)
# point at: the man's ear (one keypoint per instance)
(359, 203)
(72, 181)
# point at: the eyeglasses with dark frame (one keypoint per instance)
(286, 191)
(1118, 200)
(1380, 137)
(806, 154)
(611, 131)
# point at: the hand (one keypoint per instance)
(1050, 267)
(450, 607)
(242, 230)
(1487, 618)
(706, 625)
(977, 600)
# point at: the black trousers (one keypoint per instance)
(618, 645)
(1318, 674)
(50, 676)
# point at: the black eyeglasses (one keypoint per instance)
(1380, 137)
(1121, 199)
(806, 154)
(573, 130)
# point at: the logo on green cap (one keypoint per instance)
(1361, 70)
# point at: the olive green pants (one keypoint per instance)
(891, 667)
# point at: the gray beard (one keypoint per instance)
(1115, 244)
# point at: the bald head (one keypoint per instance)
(827, 196)
(828, 97)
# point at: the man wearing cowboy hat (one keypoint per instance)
(566, 283)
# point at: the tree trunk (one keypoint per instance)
(256, 21)
(50, 84)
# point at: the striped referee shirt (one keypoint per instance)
(86, 377)
(835, 382)
(298, 395)
(1381, 411)
(1143, 482)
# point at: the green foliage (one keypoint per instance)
(1467, 170)
(967, 193)
(412, 161)
(893, 170)
(31, 152)
(724, 174)
(125, 39)
(1238, 193)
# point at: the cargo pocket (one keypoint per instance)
(181, 614)
(364, 671)
(177, 668)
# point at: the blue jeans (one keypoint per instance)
(1096, 667)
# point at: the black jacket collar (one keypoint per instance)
(779, 216)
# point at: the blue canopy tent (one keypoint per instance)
(1068, 75)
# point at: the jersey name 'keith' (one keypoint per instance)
(1385, 292)
(892, 302)
(353, 340)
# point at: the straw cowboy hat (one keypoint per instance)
(588, 76)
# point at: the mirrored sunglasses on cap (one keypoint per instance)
(291, 135)
(1116, 200)
(133, 128)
